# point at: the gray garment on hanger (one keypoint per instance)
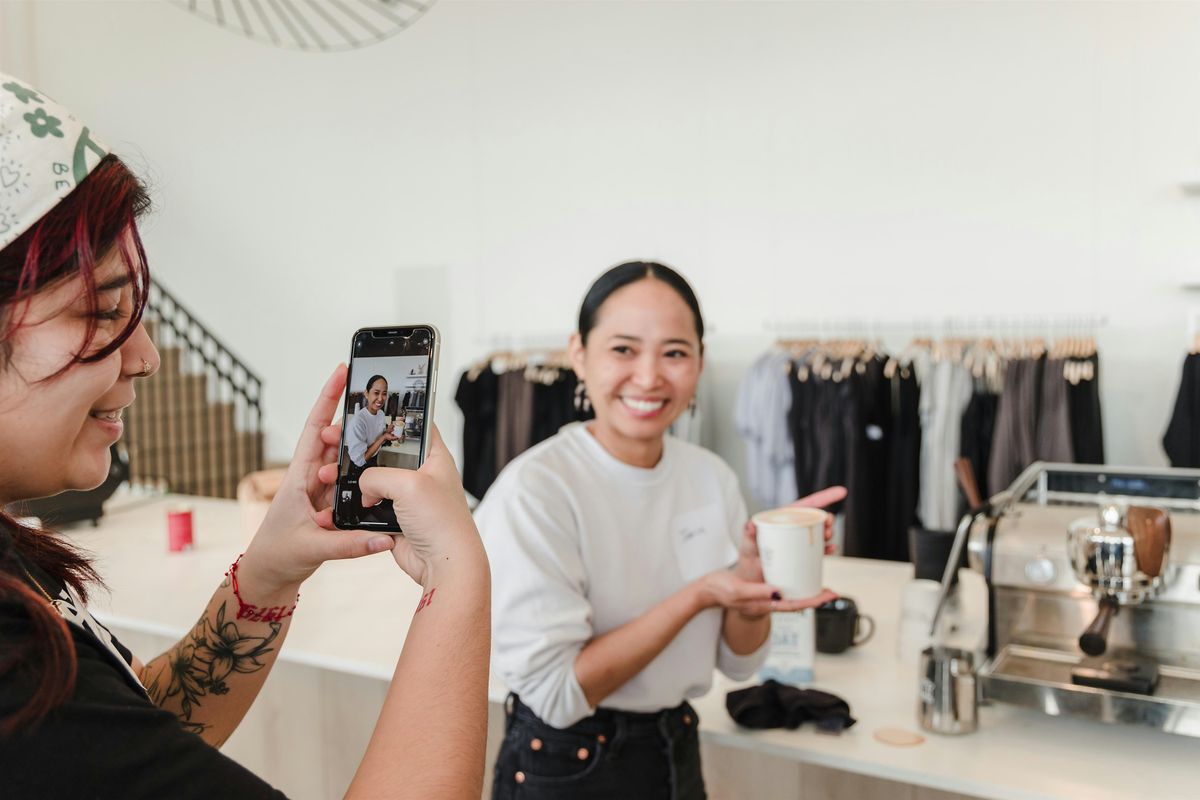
(1014, 444)
(945, 393)
(1054, 417)
(514, 417)
(761, 419)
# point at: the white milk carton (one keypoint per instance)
(793, 648)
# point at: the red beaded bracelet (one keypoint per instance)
(253, 612)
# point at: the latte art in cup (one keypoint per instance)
(791, 544)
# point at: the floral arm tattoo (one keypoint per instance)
(198, 669)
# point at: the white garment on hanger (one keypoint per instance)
(761, 419)
(945, 392)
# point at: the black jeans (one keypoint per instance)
(612, 754)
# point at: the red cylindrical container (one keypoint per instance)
(179, 528)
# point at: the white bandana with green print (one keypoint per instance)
(44, 153)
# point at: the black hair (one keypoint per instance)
(632, 272)
(372, 381)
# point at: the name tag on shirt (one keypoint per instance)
(702, 543)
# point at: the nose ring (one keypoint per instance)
(146, 367)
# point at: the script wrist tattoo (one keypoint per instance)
(426, 600)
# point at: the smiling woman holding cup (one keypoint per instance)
(624, 568)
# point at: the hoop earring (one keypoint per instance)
(582, 402)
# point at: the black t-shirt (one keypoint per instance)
(108, 740)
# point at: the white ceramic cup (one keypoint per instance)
(791, 544)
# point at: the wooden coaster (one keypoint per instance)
(898, 737)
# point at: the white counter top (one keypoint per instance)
(353, 617)
(1016, 754)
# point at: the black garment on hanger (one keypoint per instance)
(869, 458)
(802, 427)
(833, 418)
(977, 430)
(553, 406)
(1181, 442)
(478, 400)
(1087, 431)
(904, 465)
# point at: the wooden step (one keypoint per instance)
(177, 432)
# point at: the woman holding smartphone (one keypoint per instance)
(625, 569)
(79, 714)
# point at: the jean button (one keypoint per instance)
(535, 745)
(582, 754)
(687, 719)
(519, 777)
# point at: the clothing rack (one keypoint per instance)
(1013, 326)
(837, 405)
(544, 340)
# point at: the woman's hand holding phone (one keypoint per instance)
(429, 503)
(431, 507)
(297, 534)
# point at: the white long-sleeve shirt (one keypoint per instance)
(364, 428)
(581, 543)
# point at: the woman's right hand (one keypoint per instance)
(430, 506)
(726, 589)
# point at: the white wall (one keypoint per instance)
(886, 160)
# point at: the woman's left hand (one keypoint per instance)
(295, 537)
(749, 565)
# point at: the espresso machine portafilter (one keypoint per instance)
(1122, 556)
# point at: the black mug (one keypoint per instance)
(838, 626)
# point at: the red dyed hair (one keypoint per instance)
(96, 219)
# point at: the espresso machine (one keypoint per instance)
(1093, 578)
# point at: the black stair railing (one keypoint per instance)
(196, 427)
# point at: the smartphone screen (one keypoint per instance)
(386, 417)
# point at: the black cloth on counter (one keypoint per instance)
(777, 705)
(108, 740)
(478, 400)
(1181, 442)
